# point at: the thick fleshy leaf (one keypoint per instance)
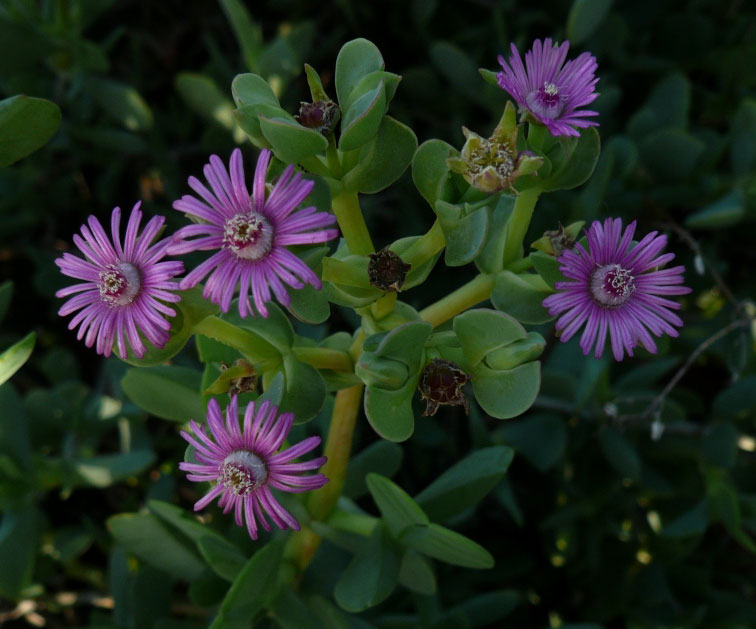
(447, 546)
(252, 590)
(465, 233)
(26, 124)
(383, 160)
(575, 165)
(506, 394)
(722, 213)
(398, 509)
(360, 122)
(370, 577)
(521, 296)
(547, 267)
(251, 89)
(143, 535)
(168, 392)
(491, 257)
(305, 391)
(381, 457)
(416, 574)
(465, 483)
(482, 330)
(430, 172)
(356, 59)
(291, 142)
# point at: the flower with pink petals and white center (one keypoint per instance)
(244, 465)
(617, 289)
(250, 234)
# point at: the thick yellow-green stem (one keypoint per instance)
(324, 358)
(346, 207)
(476, 290)
(518, 224)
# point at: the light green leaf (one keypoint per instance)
(167, 392)
(13, 358)
(465, 483)
(26, 124)
(356, 59)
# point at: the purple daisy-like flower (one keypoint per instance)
(617, 288)
(244, 465)
(251, 234)
(550, 89)
(124, 286)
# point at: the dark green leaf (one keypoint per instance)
(447, 546)
(398, 509)
(26, 124)
(620, 453)
(381, 457)
(541, 439)
(165, 391)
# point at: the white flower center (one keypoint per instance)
(611, 285)
(119, 284)
(242, 472)
(546, 101)
(249, 236)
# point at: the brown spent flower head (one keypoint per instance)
(320, 115)
(556, 241)
(244, 383)
(441, 384)
(387, 271)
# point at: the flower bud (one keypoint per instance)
(387, 271)
(441, 384)
(320, 115)
(494, 164)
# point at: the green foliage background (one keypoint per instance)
(602, 520)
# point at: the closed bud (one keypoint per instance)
(320, 115)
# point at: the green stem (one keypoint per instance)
(537, 134)
(425, 247)
(338, 448)
(332, 156)
(254, 347)
(518, 224)
(523, 264)
(477, 290)
(346, 207)
(324, 358)
(383, 306)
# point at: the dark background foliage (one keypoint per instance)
(604, 518)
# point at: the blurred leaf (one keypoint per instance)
(465, 483)
(167, 392)
(398, 509)
(122, 103)
(743, 133)
(26, 124)
(720, 444)
(447, 546)
(222, 556)
(13, 358)
(380, 457)
(203, 96)
(540, 438)
(620, 453)
(722, 213)
(416, 574)
(106, 469)
(19, 537)
(666, 107)
(305, 390)
(6, 293)
(370, 577)
(656, 148)
(738, 400)
(585, 17)
(252, 590)
(487, 609)
(248, 34)
(143, 535)
(291, 612)
(692, 522)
